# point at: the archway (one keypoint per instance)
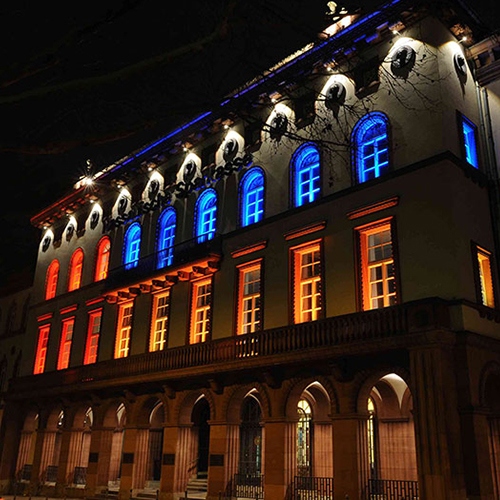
(27, 446)
(52, 446)
(200, 417)
(117, 419)
(390, 441)
(78, 457)
(250, 462)
(156, 420)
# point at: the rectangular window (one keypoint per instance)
(307, 283)
(485, 277)
(41, 349)
(377, 266)
(469, 141)
(65, 345)
(159, 323)
(93, 337)
(201, 311)
(249, 298)
(123, 330)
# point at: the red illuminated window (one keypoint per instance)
(122, 346)
(249, 298)
(485, 277)
(102, 262)
(307, 283)
(41, 349)
(159, 324)
(378, 274)
(65, 345)
(201, 311)
(75, 270)
(51, 280)
(93, 337)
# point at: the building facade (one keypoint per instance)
(293, 295)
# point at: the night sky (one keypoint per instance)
(96, 82)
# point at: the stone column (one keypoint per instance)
(281, 459)
(37, 455)
(13, 444)
(64, 470)
(141, 458)
(350, 455)
(130, 436)
(217, 459)
(232, 451)
(101, 440)
(322, 450)
(437, 426)
(169, 462)
(186, 451)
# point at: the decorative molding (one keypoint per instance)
(97, 300)
(249, 249)
(312, 228)
(43, 317)
(68, 309)
(374, 207)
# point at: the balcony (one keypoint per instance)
(326, 339)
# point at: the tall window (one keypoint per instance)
(304, 439)
(65, 344)
(75, 270)
(252, 196)
(132, 246)
(469, 141)
(201, 310)
(307, 283)
(371, 428)
(206, 215)
(124, 328)
(377, 266)
(51, 280)
(249, 298)
(93, 333)
(159, 324)
(102, 261)
(305, 174)
(371, 147)
(485, 277)
(41, 349)
(166, 236)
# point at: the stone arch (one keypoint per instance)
(107, 414)
(489, 378)
(231, 407)
(184, 408)
(27, 443)
(145, 407)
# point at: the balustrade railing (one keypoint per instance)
(80, 475)
(312, 488)
(357, 327)
(390, 489)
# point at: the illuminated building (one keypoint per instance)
(298, 302)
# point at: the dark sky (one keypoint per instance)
(99, 81)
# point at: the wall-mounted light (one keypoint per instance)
(88, 181)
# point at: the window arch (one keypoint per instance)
(252, 197)
(371, 146)
(51, 280)
(206, 215)
(102, 259)
(305, 174)
(75, 270)
(132, 246)
(166, 237)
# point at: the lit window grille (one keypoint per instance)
(485, 278)
(201, 311)
(102, 264)
(93, 337)
(132, 246)
(469, 141)
(249, 314)
(206, 215)
(41, 349)
(76, 268)
(252, 197)
(65, 345)
(122, 346)
(306, 174)
(160, 322)
(166, 236)
(51, 280)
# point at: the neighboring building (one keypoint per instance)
(294, 294)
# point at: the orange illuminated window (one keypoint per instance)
(201, 311)
(485, 277)
(102, 262)
(122, 345)
(75, 270)
(377, 267)
(249, 298)
(93, 337)
(159, 324)
(307, 283)
(65, 345)
(41, 349)
(51, 280)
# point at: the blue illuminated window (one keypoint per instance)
(371, 147)
(252, 196)
(206, 215)
(305, 174)
(166, 235)
(469, 141)
(132, 246)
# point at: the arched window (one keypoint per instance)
(132, 246)
(304, 438)
(371, 147)
(252, 196)
(305, 174)
(75, 270)
(166, 236)
(51, 280)
(206, 215)
(102, 260)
